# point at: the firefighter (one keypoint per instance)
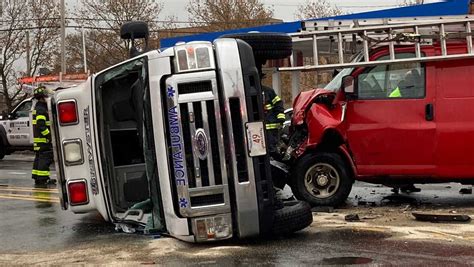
(42, 139)
(274, 118)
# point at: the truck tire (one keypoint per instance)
(294, 216)
(266, 45)
(321, 179)
(3, 150)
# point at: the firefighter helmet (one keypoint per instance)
(40, 92)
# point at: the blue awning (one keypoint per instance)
(446, 8)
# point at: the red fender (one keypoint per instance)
(347, 155)
(318, 117)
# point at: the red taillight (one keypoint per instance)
(67, 112)
(78, 193)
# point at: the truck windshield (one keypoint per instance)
(335, 83)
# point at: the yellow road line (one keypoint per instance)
(32, 198)
(29, 190)
(28, 199)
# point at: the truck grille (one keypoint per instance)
(196, 148)
(202, 171)
(195, 87)
(239, 139)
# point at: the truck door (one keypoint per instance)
(454, 119)
(19, 130)
(390, 124)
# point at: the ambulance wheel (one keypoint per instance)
(322, 179)
(266, 45)
(3, 150)
(294, 216)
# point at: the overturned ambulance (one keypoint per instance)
(173, 141)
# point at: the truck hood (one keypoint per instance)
(304, 101)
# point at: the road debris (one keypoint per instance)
(352, 218)
(366, 203)
(431, 217)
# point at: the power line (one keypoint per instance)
(99, 28)
(154, 21)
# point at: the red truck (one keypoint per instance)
(399, 114)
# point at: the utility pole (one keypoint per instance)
(84, 52)
(28, 62)
(63, 38)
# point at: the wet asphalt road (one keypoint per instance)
(34, 229)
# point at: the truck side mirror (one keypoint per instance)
(11, 116)
(348, 84)
(135, 30)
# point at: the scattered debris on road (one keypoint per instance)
(431, 217)
(366, 203)
(352, 218)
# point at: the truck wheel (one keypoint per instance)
(266, 45)
(3, 150)
(294, 216)
(322, 179)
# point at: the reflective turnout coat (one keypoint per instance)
(274, 111)
(41, 128)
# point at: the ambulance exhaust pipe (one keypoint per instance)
(135, 30)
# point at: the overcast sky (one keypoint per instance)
(285, 9)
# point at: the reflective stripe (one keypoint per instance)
(40, 117)
(281, 116)
(33, 112)
(396, 93)
(48, 123)
(36, 148)
(276, 99)
(268, 106)
(40, 173)
(40, 140)
(45, 132)
(272, 126)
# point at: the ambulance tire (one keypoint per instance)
(294, 216)
(266, 45)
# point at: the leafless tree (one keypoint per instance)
(38, 21)
(102, 21)
(217, 15)
(317, 9)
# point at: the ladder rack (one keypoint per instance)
(360, 37)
